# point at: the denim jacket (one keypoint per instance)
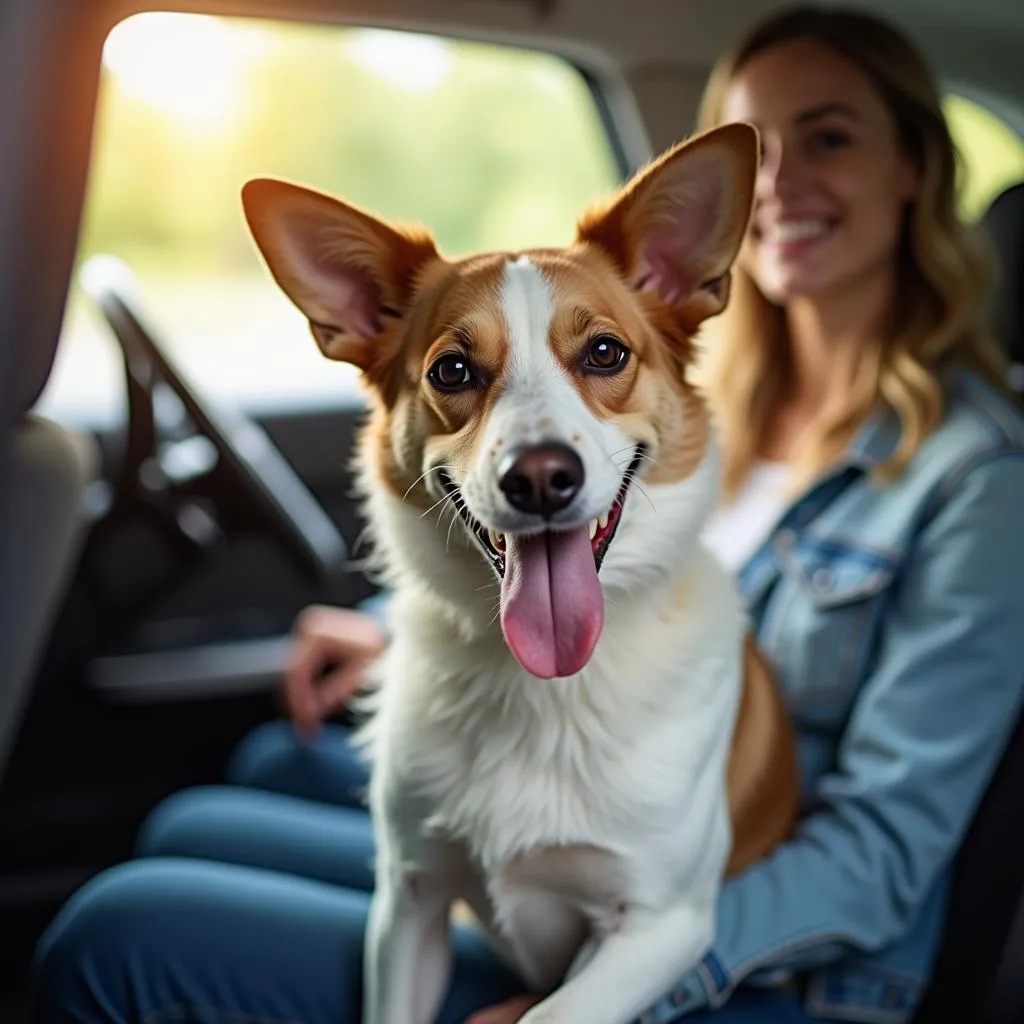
(893, 615)
(894, 618)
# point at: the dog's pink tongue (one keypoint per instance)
(552, 608)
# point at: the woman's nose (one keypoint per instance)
(779, 174)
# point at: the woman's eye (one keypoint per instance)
(606, 355)
(829, 140)
(450, 373)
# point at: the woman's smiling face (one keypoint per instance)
(834, 180)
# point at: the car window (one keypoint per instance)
(489, 146)
(991, 153)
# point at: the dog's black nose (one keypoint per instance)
(542, 479)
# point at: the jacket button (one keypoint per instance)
(785, 540)
(680, 997)
(822, 579)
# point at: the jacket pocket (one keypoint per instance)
(821, 625)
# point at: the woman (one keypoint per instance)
(874, 480)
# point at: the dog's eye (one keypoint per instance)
(606, 355)
(451, 372)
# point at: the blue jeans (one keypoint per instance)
(247, 906)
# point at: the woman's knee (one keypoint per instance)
(258, 759)
(82, 958)
(181, 824)
(231, 825)
(158, 934)
(325, 769)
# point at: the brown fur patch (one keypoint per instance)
(763, 781)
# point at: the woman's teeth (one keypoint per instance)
(796, 231)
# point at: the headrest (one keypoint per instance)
(1004, 224)
(32, 371)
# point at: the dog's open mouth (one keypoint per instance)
(602, 530)
(552, 604)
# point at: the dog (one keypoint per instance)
(571, 732)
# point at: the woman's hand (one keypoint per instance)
(507, 1012)
(331, 648)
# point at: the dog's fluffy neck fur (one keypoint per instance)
(480, 711)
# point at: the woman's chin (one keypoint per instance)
(789, 284)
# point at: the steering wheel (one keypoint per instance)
(205, 467)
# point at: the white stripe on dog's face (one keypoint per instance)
(528, 305)
(540, 404)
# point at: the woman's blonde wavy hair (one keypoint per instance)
(940, 314)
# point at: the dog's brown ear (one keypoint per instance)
(677, 226)
(347, 271)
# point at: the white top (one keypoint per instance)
(735, 531)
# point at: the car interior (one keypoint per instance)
(174, 479)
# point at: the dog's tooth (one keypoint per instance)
(603, 522)
(495, 539)
(593, 528)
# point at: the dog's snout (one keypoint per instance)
(542, 479)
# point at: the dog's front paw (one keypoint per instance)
(507, 1012)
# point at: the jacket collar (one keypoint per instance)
(873, 443)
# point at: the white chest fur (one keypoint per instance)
(627, 758)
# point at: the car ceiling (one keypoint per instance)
(972, 42)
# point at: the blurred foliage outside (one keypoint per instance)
(487, 146)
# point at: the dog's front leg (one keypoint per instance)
(407, 958)
(633, 967)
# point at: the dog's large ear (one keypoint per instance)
(677, 226)
(346, 270)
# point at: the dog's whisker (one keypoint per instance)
(415, 482)
(453, 507)
(640, 458)
(441, 510)
(647, 496)
(631, 448)
(634, 453)
(451, 526)
(454, 496)
(451, 470)
(440, 501)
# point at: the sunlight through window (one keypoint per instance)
(488, 146)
